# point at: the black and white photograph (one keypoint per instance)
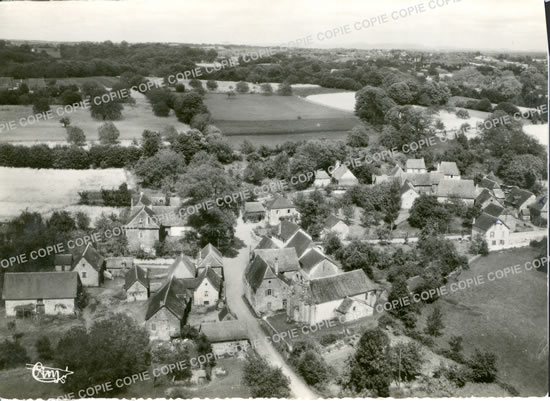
(253, 199)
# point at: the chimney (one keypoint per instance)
(276, 265)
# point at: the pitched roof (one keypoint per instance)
(228, 330)
(224, 312)
(280, 202)
(486, 221)
(423, 179)
(343, 285)
(331, 221)
(253, 207)
(448, 168)
(463, 189)
(395, 170)
(172, 296)
(92, 256)
(540, 202)
(493, 210)
(311, 258)
(266, 243)
(340, 171)
(210, 275)
(518, 197)
(489, 184)
(286, 229)
(415, 163)
(63, 259)
(210, 256)
(141, 197)
(321, 175)
(153, 222)
(300, 242)
(45, 285)
(138, 274)
(181, 265)
(484, 195)
(263, 265)
(345, 306)
(407, 186)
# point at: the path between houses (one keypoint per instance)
(234, 270)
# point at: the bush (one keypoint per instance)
(385, 321)
(44, 348)
(483, 367)
(463, 114)
(12, 354)
(329, 339)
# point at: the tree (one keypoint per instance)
(12, 354)
(479, 246)
(76, 136)
(426, 209)
(151, 142)
(267, 89)
(212, 85)
(105, 110)
(253, 173)
(69, 97)
(65, 121)
(201, 121)
(462, 113)
(180, 88)
(483, 367)
(112, 348)
(231, 94)
(164, 163)
(187, 105)
(313, 368)
(456, 344)
(264, 380)
(44, 348)
(398, 294)
(242, 87)
(40, 105)
(400, 93)
(358, 137)
(82, 221)
(108, 133)
(372, 104)
(117, 245)
(434, 323)
(332, 244)
(164, 353)
(195, 84)
(285, 89)
(369, 368)
(406, 361)
(359, 255)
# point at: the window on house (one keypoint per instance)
(284, 303)
(494, 242)
(153, 326)
(354, 308)
(492, 235)
(268, 292)
(83, 274)
(501, 242)
(206, 293)
(40, 300)
(288, 210)
(140, 221)
(206, 302)
(140, 234)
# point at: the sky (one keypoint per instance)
(513, 25)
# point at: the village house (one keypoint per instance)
(449, 170)
(346, 297)
(540, 208)
(464, 190)
(424, 183)
(118, 266)
(507, 216)
(63, 262)
(489, 182)
(486, 198)
(182, 267)
(136, 284)
(268, 277)
(416, 166)
(225, 314)
(265, 243)
(343, 176)
(140, 200)
(335, 225)
(322, 179)
(395, 174)
(172, 224)
(210, 256)
(408, 195)
(284, 231)
(253, 211)
(142, 230)
(315, 264)
(42, 293)
(520, 200)
(300, 241)
(167, 309)
(206, 288)
(281, 208)
(493, 230)
(226, 337)
(90, 266)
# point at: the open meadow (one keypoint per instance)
(47, 190)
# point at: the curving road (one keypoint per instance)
(234, 270)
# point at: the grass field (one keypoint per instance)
(135, 119)
(47, 190)
(506, 317)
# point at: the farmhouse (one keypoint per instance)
(136, 284)
(265, 243)
(416, 166)
(520, 199)
(268, 277)
(281, 208)
(464, 190)
(335, 225)
(493, 230)
(424, 183)
(300, 241)
(322, 179)
(140, 200)
(449, 170)
(489, 182)
(209, 256)
(285, 230)
(227, 337)
(119, 265)
(167, 309)
(63, 262)
(343, 176)
(142, 230)
(90, 267)
(253, 211)
(182, 267)
(48, 293)
(408, 195)
(347, 296)
(486, 198)
(206, 288)
(505, 215)
(396, 173)
(314, 264)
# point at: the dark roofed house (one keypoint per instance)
(493, 230)
(182, 267)
(142, 229)
(415, 166)
(49, 293)
(226, 314)
(300, 241)
(253, 211)
(167, 309)
(520, 200)
(281, 208)
(333, 224)
(90, 267)
(486, 198)
(136, 284)
(210, 256)
(63, 262)
(285, 230)
(343, 175)
(493, 210)
(449, 170)
(207, 288)
(227, 337)
(315, 264)
(346, 296)
(119, 265)
(465, 190)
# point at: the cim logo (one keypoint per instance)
(44, 374)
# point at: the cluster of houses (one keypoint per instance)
(340, 175)
(288, 272)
